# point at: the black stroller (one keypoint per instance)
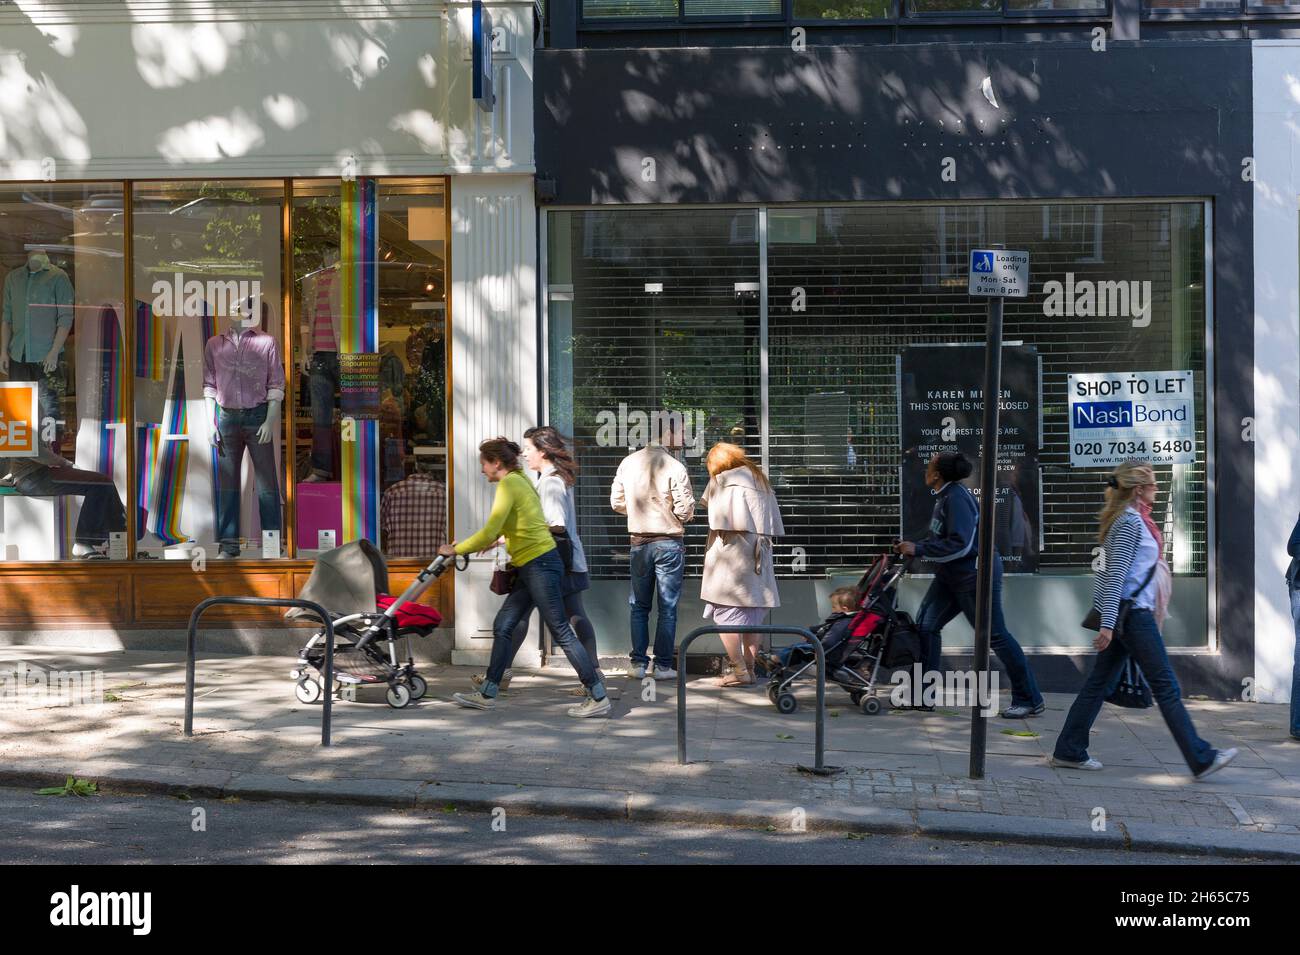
(351, 582)
(878, 637)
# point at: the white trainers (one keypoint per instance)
(1089, 764)
(665, 673)
(1222, 758)
(637, 671)
(474, 701)
(590, 707)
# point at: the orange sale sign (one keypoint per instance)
(18, 418)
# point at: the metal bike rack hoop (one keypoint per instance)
(260, 602)
(819, 767)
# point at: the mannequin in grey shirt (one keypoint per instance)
(35, 320)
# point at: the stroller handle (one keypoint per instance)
(436, 567)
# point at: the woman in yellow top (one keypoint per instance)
(539, 572)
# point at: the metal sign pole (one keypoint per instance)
(988, 497)
(995, 273)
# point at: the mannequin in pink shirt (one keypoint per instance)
(243, 385)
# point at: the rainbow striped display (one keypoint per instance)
(146, 456)
(112, 407)
(172, 465)
(171, 457)
(148, 343)
(360, 332)
(208, 329)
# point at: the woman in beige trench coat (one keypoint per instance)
(739, 583)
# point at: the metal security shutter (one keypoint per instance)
(664, 316)
(848, 288)
(875, 279)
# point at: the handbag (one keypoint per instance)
(1132, 691)
(503, 577)
(1093, 620)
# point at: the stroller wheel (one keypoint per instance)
(855, 696)
(418, 686)
(773, 691)
(307, 690)
(398, 696)
(786, 703)
(870, 705)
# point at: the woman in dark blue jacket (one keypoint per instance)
(951, 548)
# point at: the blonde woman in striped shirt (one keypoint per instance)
(1134, 570)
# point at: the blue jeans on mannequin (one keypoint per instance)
(942, 603)
(537, 584)
(237, 429)
(322, 383)
(656, 567)
(1143, 642)
(50, 382)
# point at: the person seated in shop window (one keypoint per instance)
(46, 474)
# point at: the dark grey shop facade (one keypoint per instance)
(753, 235)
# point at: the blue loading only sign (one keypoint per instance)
(999, 273)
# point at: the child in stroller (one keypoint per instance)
(864, 634)
(830, 631)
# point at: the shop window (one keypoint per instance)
(62, 417)
(732, 8)
(1078, 229)
(209, 368)
(370, 272)
(844, 304)
(957, 230)
(954, 6)
(1193, 6)
(842, 9)
(1056, 6)
(607, 9)
(673, 327)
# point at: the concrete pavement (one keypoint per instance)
(904, 772)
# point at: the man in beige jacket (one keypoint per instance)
(653, 489)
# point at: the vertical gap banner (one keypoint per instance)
(360, 332)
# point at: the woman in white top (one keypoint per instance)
(1133, 570)
(546, 455)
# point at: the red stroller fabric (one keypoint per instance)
(411, 615)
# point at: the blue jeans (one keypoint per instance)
(322, 383)
(537, 584)
(1143, 642)
(50, 391)
(657, 566)
(1295, 669)
(101, 511)
(941, 605)
(237, 428)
